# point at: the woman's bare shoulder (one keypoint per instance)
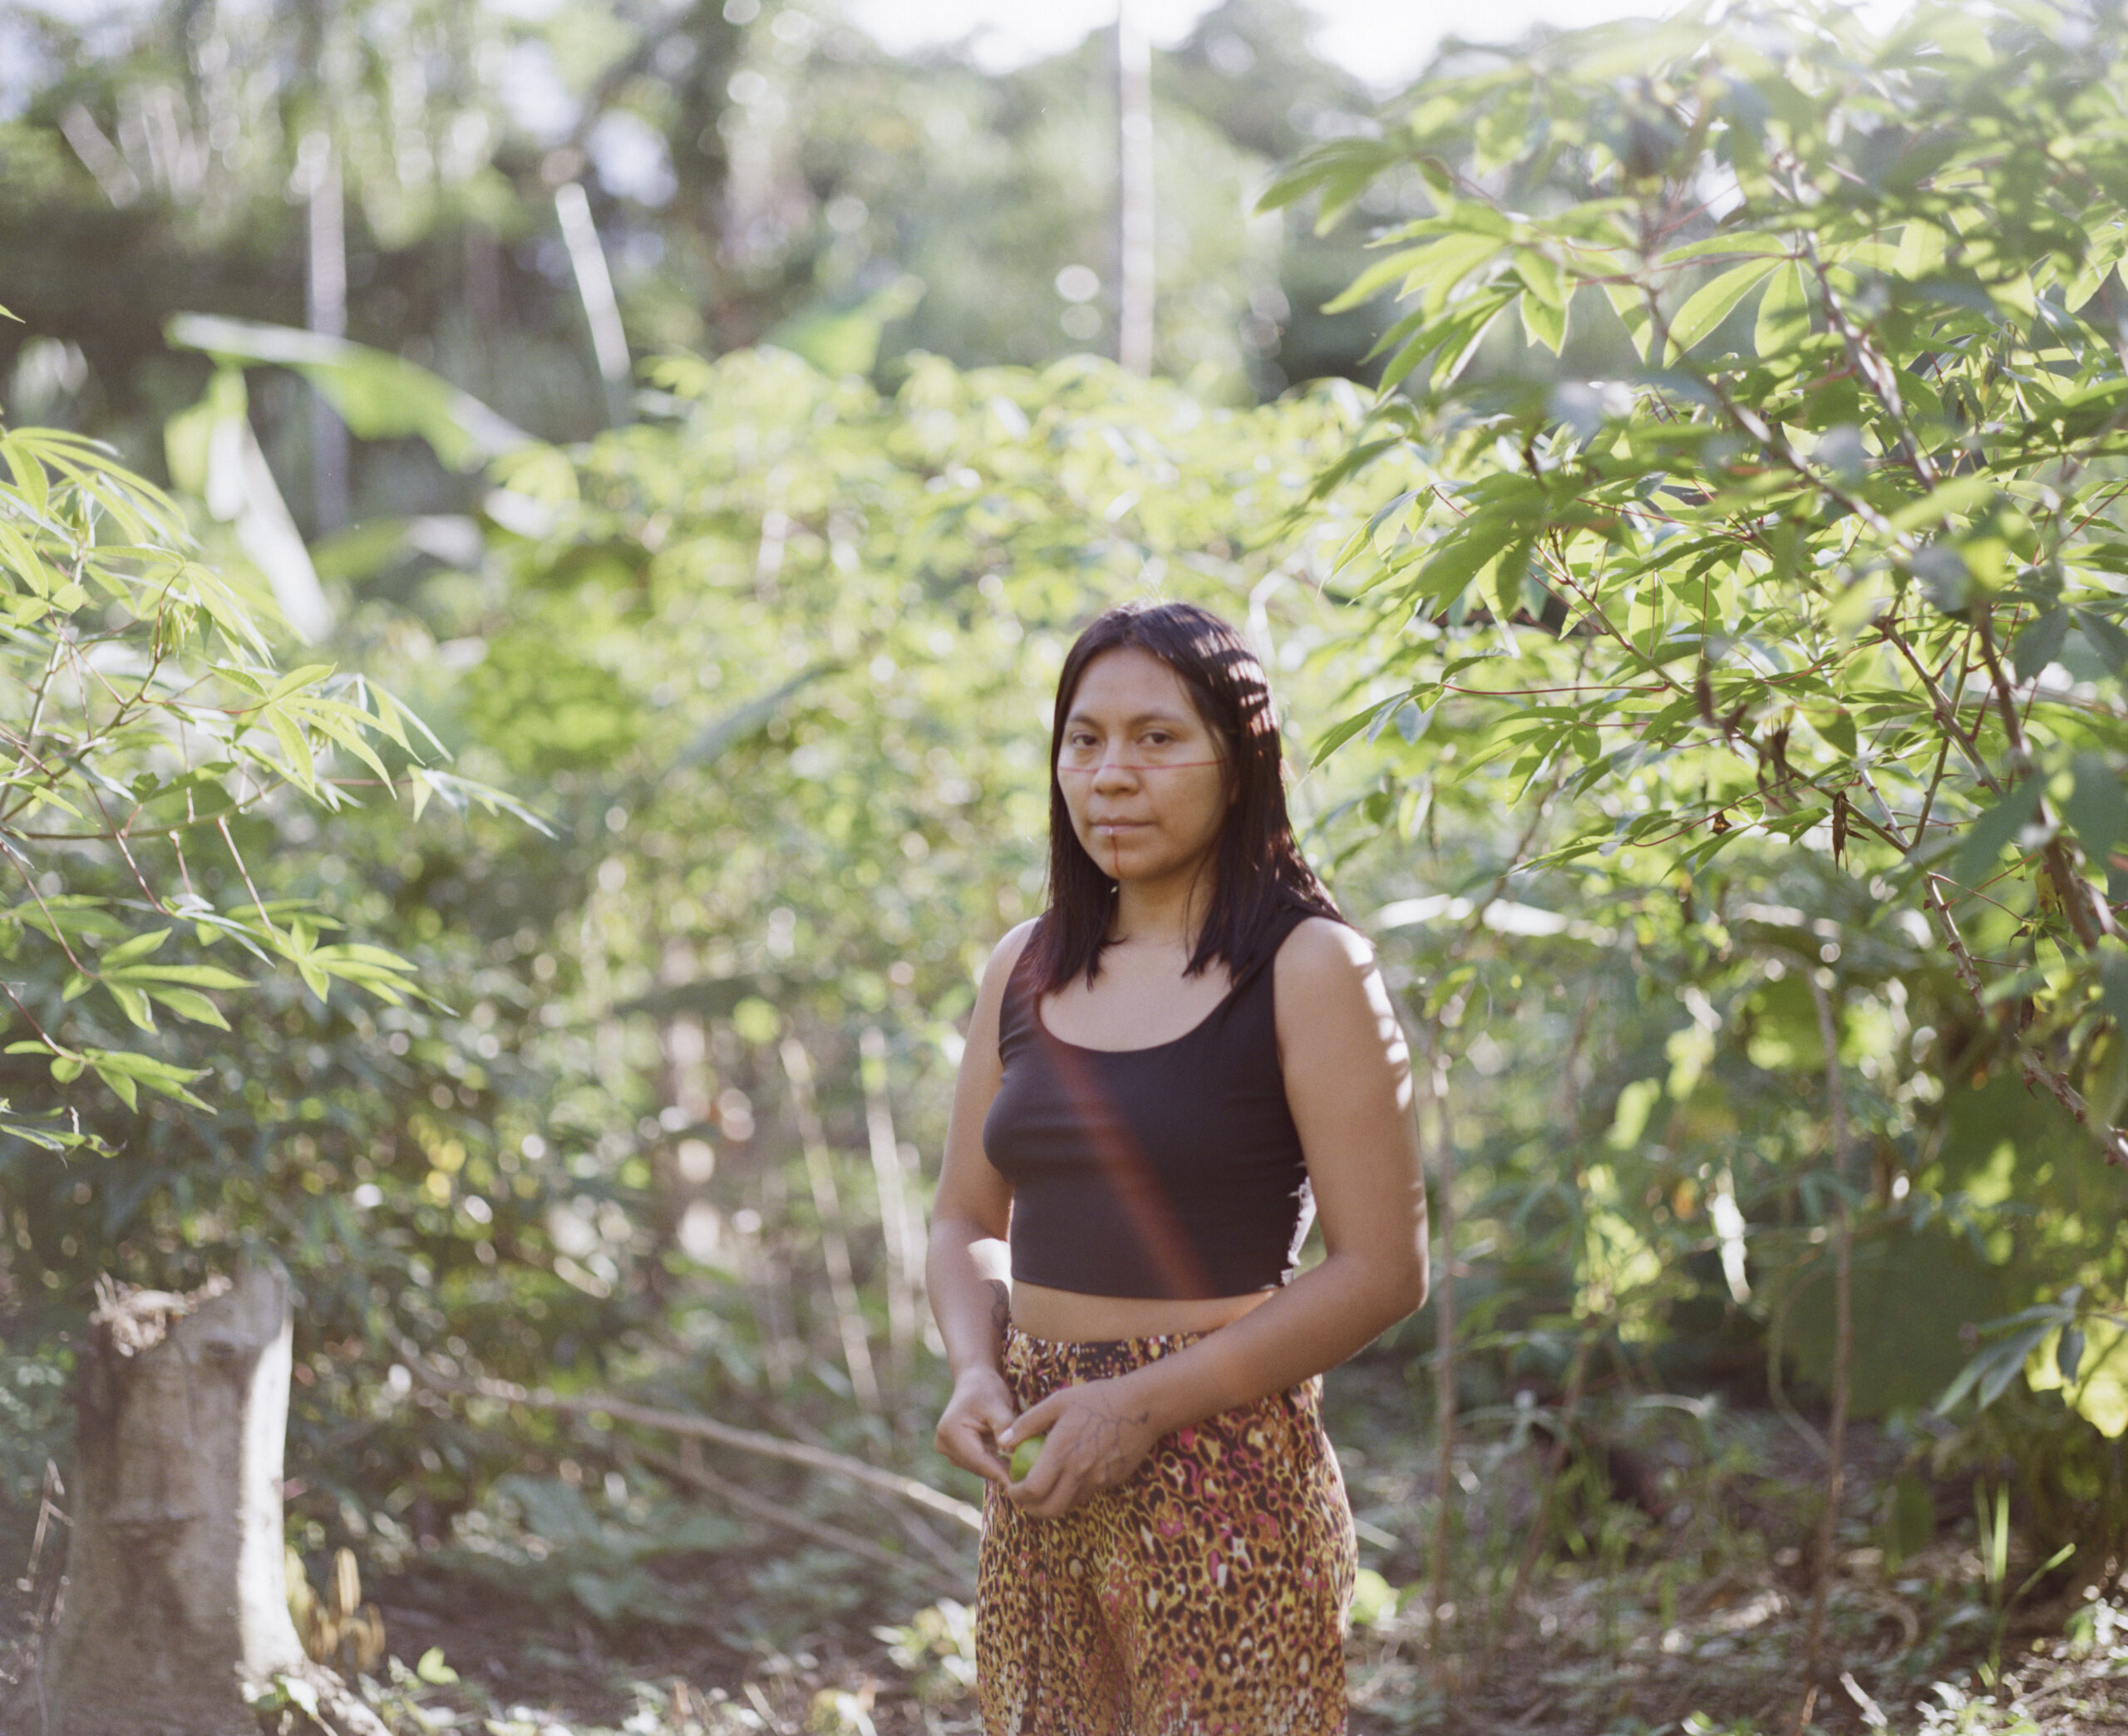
(1329, 992)
(1004, 958)
(1007, 952)
(1322, 952)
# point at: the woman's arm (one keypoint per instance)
(968, 1270)
(1348, 1084)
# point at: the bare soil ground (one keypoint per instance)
(1734, 1662)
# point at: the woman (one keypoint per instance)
(1163, 1071)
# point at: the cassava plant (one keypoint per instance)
(149, 740)
(1765, 384)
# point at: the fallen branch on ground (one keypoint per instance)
(706, 1482)
(704, 1429)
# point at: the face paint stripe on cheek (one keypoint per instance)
(1087, 771)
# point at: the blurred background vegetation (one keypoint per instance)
(701, 421)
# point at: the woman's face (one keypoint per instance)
(1145, 778)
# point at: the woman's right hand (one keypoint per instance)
(981, 1406)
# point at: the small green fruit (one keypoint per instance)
(1024, 1455)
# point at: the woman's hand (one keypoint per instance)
(976, 1417)
(1098, 1434)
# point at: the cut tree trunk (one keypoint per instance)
(176, 1600)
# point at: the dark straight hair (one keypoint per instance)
(1257, 871)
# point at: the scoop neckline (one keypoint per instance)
(1218, 1006)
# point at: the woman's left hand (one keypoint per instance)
(1098, 1434)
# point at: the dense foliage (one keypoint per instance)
(1795, 635)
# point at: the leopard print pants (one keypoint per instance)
(1205, 1596)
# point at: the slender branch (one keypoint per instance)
(1595, 611)
(1946, 712)
(2112, 1141)
(1882, 379)
(2075, 895)
(1929, 800)
(835, 1242)
(22, 867)
(222, 825)
(116, 835)
(45, 1036)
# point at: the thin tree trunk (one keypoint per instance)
(594, 288)
(325, 309)
(1540, 1523)
(835, 1243)
(1842, 1328)
(781, 1353)
(1444, 1320)
(1133, 191)
(895, 1223)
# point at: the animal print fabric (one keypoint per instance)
(1205, 1596)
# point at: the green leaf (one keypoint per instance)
(122, 1082)
(1544, 323)
(1545, 278)
(379, 396)
(1339, 734)
(1947, 501)
(309, 676)
(2013, 1354)
(2097, 809)
(132, 1002)
(1459, 556)
(191, 1004)
(197, 977)
(1993, 1368)
(1712, 302)
(2113, 982)
(140, 947)
(2039, 643)
(1784, 315)
(2114, 992)
(1987, 836)
(2104, 638)
(2069, 1354)
(295, 749)
(29, 475)
(841, 341)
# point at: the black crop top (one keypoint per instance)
(1170, 1171)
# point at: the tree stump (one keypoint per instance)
(176, 1592)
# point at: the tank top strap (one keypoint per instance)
(1015, 1005)
(1257, 980)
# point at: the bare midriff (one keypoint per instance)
(1066, 1316)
